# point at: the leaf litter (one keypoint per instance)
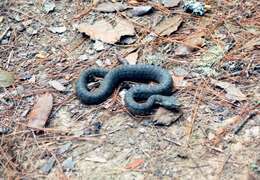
(233, 92)
(125, 136)
(41, 111)
(104, 31)
(168, 26)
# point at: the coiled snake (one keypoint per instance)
(139, 99)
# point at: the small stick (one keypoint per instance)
(172, 141)
(238, 128)
(4, 33)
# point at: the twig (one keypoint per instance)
(195, 109)
(223, 166)
(172, 141)
(4, 33)
(238, 128)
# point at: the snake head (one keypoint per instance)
(169, 102)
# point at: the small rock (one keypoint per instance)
(57, 85)
(147, 122)
(99, 63)
(98, 45)
(25, 112)
(83, 57)
(141, 10)
(68, 164)
(6, 78)
(31, 31)
(96, 127)
(150, 37)
(27, 23)
(170, 3)
(46, 168)
(182, 50)
(49, 6)
(20, 27)
(58, 30)
(4, 130)
(131, 141)
(194, 7)
(4, 41)
(142, 130)
(128, 40)
(108, 62)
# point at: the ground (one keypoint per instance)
(214, 62)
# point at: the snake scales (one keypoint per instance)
(139, 99)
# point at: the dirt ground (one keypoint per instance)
(214, 60)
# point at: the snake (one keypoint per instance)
(141, 98)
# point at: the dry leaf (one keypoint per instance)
(41, 111)
(224, 129)
(168, 26)
(57, 85)
(110, 7)
(165, 117)
(124, 28)
(134, 164)
(104, 31)
(6, 78)
(179, 81)
(101, 30)
(233, 92)
(195, 40)
(190, 44)
(132, 57)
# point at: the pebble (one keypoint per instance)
(141, 10)
(83, 57)
(46, 168)
(68, 164)
(98, 45)
(142, 130)
(131, 141)
(49, 6)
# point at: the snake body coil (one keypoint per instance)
(151, 95)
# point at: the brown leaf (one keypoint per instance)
(41, 111)
(179, 81)
(168, 26)
(124, 28)
(110, 7)
(132, 57)
(233, 93)
(195, 40)
(190, 44)
(101, 30)
(224, 129)
(104, 31)
(134, 164)
(166, 117)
